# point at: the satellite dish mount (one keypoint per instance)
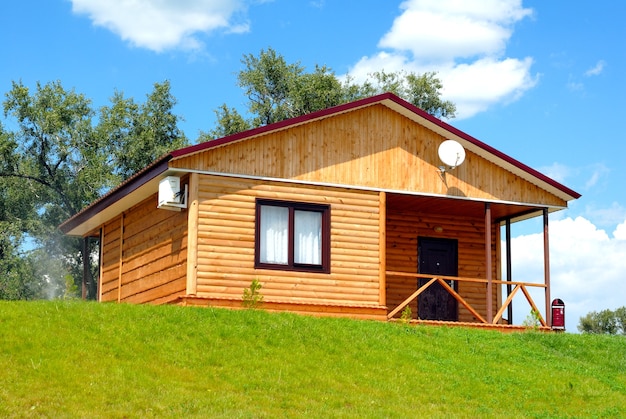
(451, 154)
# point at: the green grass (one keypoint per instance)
(76, 359)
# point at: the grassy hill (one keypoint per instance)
(76, 359)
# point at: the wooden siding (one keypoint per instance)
(226, 231)
(144, 255)
(372, 147)
(110, 262)
(403, 230)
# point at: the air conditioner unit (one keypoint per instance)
(171, 197)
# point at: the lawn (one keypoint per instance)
(78, 359)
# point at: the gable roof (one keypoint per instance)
(144, 183)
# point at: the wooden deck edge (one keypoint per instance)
(364, 312)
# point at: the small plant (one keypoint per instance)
(407, 315)
(533, 320)
(252, 298)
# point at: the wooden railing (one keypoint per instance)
(442, 281)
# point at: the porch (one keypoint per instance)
(478, 288)
(447, 282)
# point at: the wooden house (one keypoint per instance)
(346, 211)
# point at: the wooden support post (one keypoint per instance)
(192, 235)
(100, 265)
(509, 269)
(546, 265)
(488, 262)
(86, 271)
(382, 249)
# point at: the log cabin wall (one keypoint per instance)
(374, 147)
(226, 234)
(403, 230)
(110, 263)
(144, 255)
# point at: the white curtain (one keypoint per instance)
(307, 237)
(274, 235)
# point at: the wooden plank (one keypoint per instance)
(461, 300)
(158, 293)
(410, 298)
(500, 312)
(533, 306)
(192, 235)
(350, 285)
(120, 258)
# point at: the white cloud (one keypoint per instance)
(162, 24)
(476, 86)
(557, 171)
(575, 86)
(440, 30)
(597, 70)
(465, 42)
(587, 267)
(605, 216)
(599, 171)
(620, 231)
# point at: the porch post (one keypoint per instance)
(488, 262)
(382, 249)
(546, 265)
(509, 269)
(85, 256)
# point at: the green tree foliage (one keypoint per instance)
(135, 135)
(277, 91)
(604, 322)
(56, 159)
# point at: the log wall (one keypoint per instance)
(110, 260)
(144, 255)
(226, 233)
(403, 230)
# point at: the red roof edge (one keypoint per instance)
(281, 125)
(129, 185)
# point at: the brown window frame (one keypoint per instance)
(293, 206)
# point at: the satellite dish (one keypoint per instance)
(451, 153)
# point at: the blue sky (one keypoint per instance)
(541, 81)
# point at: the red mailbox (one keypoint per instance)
(558, 314)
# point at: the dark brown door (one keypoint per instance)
(438, 257)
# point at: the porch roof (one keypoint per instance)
(463, 207)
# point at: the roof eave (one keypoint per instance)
(82, 223)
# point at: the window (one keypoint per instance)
(292, 236)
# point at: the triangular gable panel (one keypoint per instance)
(372, 147)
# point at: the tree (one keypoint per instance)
(56, 161)
(424, 91)
(229, 121)
(51, 164)
(277, 91)
(604, 322)
(136, 135)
